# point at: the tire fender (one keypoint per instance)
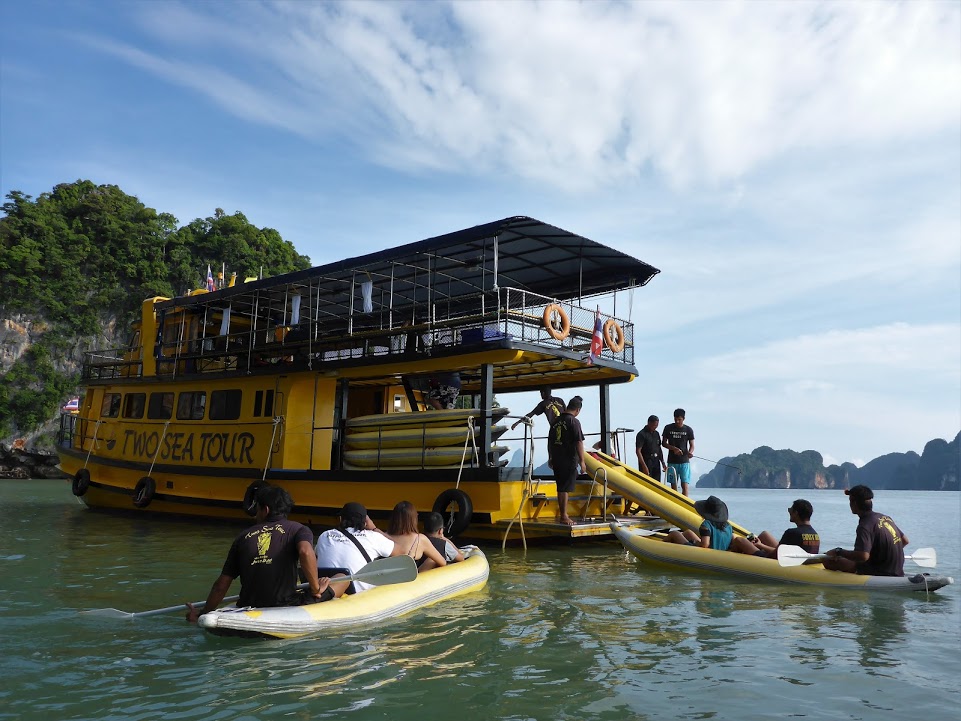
(457, 520)
(144, 492)
(81, 482)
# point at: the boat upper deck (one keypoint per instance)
(515, 293)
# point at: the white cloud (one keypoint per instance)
(578, 95)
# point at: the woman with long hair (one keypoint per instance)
(402, 530)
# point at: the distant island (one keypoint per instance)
(936, 469)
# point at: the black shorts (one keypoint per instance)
(565, 476)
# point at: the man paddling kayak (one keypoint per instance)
(878, 545)
(265, 558)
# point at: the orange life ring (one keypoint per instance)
(613, 335)
(555, 332)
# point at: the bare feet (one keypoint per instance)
(566, 519)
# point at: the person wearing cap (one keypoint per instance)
(878, 544)
(567, 455)
(803, 534)
(265, 557)
(715, 532)
(552, 407)
(352, 545)
(678, 439)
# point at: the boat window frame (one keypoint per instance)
(230, 405)
(110, 405)
(134, 405)
(157, 408)
(188, 409)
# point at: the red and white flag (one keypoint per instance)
(597, 341)
(210, 280)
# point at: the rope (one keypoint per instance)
(157, 452)
(270, 452)
(527, 493)
(93, 442)
(473, 441)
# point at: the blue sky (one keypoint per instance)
(794, 170)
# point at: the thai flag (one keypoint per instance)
(210, 279)
(597, 341)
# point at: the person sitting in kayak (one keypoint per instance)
(434, 530)
(715, 532)
(802, 535)
(265, 558)
(408, 540)
(878, 545)
(352, 545)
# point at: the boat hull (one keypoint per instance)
(378, 604)
(655, 550)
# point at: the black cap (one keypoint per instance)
(354, 515)
(860, 493)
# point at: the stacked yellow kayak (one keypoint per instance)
(376, 604)
(434, 439)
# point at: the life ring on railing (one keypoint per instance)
(556, 322)
(250, 496)
(457, 521)
(81, 482)
(144, 492)
(613, 335)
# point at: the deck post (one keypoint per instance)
(604, 393)
(487, 403)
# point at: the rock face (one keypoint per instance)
(18, 462)
(935, 469)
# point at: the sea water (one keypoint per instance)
(559, 633)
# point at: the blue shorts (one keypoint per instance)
(683, 471)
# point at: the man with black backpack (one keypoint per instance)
(567, 454)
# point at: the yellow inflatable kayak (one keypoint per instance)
(453, 417)
(412, 457)
(653, 549)
(426, 436)
(376, 604)
(655, 497)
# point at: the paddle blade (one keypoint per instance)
(387, 571)
(924, 557)
(793, 555)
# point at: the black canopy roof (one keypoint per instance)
(517, 252)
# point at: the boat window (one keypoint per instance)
(190, 406)
(225, 405)
(264, 403)
(161, 406)
(133, 404)
(110, 408)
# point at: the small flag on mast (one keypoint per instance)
(210, 279)
(597, 341)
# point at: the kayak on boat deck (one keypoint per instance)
(656, 550)
(376, 604)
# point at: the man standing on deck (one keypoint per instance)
(567, 454)
(679, 441)
(551, 407)
(650, 457)
(265, 557)
(878, 545)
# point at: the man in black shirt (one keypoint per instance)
(679, 441)
(650, 457)
(265, 558)
(803, 534)
(878, 544)
(567, 454)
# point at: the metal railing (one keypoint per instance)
(505, 314)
